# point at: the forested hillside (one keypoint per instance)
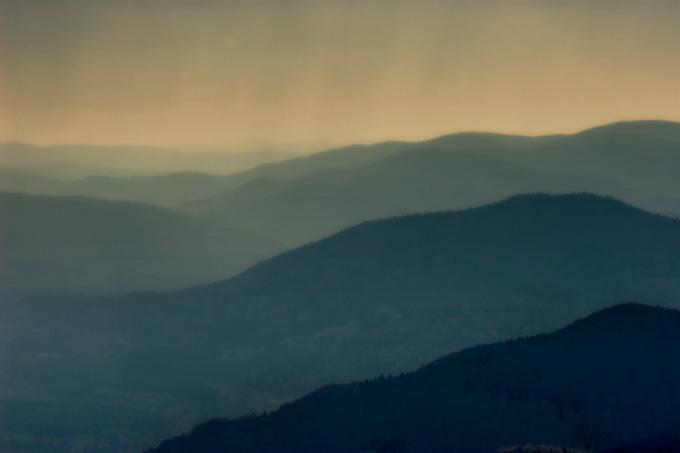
(576, 388)
(383, 297)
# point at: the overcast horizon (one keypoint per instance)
(240, 74)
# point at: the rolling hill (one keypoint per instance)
(317, 205)
(383, 297)
(82, 244)
(175, 178)
(307, 198)
(637, 162)
(603, 380)
(71, 162)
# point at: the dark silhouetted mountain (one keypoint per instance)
(382, 297)
(608, 378)
(94, 245)
(637, 162)
(533, 448)
(668, 442)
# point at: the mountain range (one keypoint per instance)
(90, 245)
(384, 289)
(307, 198)
(578, 387)
(635, 162)
(281, 205)
(71, 162)
(383, 297)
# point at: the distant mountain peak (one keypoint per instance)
(628, 316)
(519, 205)
(652, 128)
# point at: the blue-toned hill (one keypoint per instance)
(92, 245)
(383, 297)
(602, 381)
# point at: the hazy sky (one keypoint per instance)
(200, 72)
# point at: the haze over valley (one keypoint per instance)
(382, 297)
(339, 226)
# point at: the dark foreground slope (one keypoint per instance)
(383, 297)
(666, 442)
(93, 245)
(608, 378)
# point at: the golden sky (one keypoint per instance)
(209, 72)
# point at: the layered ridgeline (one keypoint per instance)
(71, 162)
(41, 171)
(186, 184)
(638, 162)
(162, 190)
(606, 380)
(308, 198)
(304, 199)
(85, 244)
(382, 297)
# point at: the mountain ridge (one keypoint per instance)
(522, 201)
(382, 297)
(404, 413)
(95, 245)
(498, 146)
(632, 165)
